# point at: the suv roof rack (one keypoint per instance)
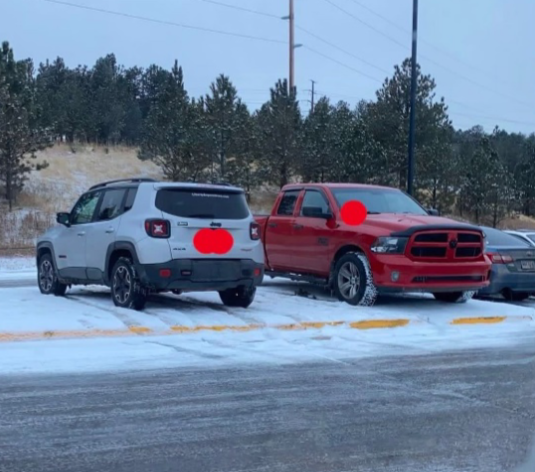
(134, 180)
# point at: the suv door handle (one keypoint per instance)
(272, 225)
(81, 233)
(110, 230)
(297, 226)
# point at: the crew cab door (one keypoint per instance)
(279, 233)
(312, 240)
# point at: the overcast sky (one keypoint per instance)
(481, 52)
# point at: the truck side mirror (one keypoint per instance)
(433, 212)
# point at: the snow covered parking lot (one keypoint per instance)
(288, 322)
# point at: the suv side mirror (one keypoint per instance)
(63, 219)
(433, 212)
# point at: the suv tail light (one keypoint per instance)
(254, 231)
(499, 258)
(158, 228)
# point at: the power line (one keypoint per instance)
(329, 58)
(319, 38)
(404, 46)
(304, 30)
(248, 10)
(405, 30)
(165, 22)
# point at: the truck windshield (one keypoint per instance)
(379, 200)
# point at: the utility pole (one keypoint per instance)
(292, 45)
(414, 82)
(313, 96)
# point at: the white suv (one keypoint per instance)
(139, 236)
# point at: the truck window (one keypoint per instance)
(315, 199)
(287, 204)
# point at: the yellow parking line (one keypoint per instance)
(479, 320)
(374, 324)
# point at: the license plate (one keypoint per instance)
(527, 265)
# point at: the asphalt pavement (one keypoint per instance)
(460, 411)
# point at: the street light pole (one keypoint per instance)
(292, 45)
(414, 82)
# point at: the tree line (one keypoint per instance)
(484, 176)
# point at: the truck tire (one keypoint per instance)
(47, 277)
(126, 289)
(353, 280)
(453, 297)
(240, 297)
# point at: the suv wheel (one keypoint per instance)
(47, 277)
(453, 297)
(352, 280)
(126, 290)
(238, 297)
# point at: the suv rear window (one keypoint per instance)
(203, 203)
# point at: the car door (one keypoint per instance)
(279, 232)
(70, 246)
(101, 233)
(312, 241)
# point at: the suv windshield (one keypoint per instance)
(379, 200)
(202, 203)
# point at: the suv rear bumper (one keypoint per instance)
(428, 276)
(201, 274)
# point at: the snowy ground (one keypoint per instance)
(290, 323)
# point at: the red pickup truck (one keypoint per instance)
(400, 246)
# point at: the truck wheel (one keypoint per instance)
(353, 281)
(47, 277)
(126, 290)
(240, 297)
(453, 297)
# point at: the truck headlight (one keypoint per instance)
(389, 245)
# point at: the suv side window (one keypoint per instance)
(84, 209)
(287, 204)
(130, 198)
(315, 199)
(112, 204)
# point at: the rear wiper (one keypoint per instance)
(374, 213)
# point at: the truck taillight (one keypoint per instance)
(254, 231)
(158, 228)
(496, 258)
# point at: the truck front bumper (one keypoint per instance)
(393, 273)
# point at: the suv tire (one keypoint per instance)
(351, 281)
(126, 289)
(47, 277)
(453, 297)
(240, 297)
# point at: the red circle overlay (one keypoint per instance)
(353, 213)
(213, 241)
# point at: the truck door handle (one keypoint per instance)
(296, 226)
(110, 230)
(81, 233)
(272, 225)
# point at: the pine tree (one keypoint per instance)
(317, 143)
(174, 134)
(20, 133)
(222, 106)
(279, 124)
